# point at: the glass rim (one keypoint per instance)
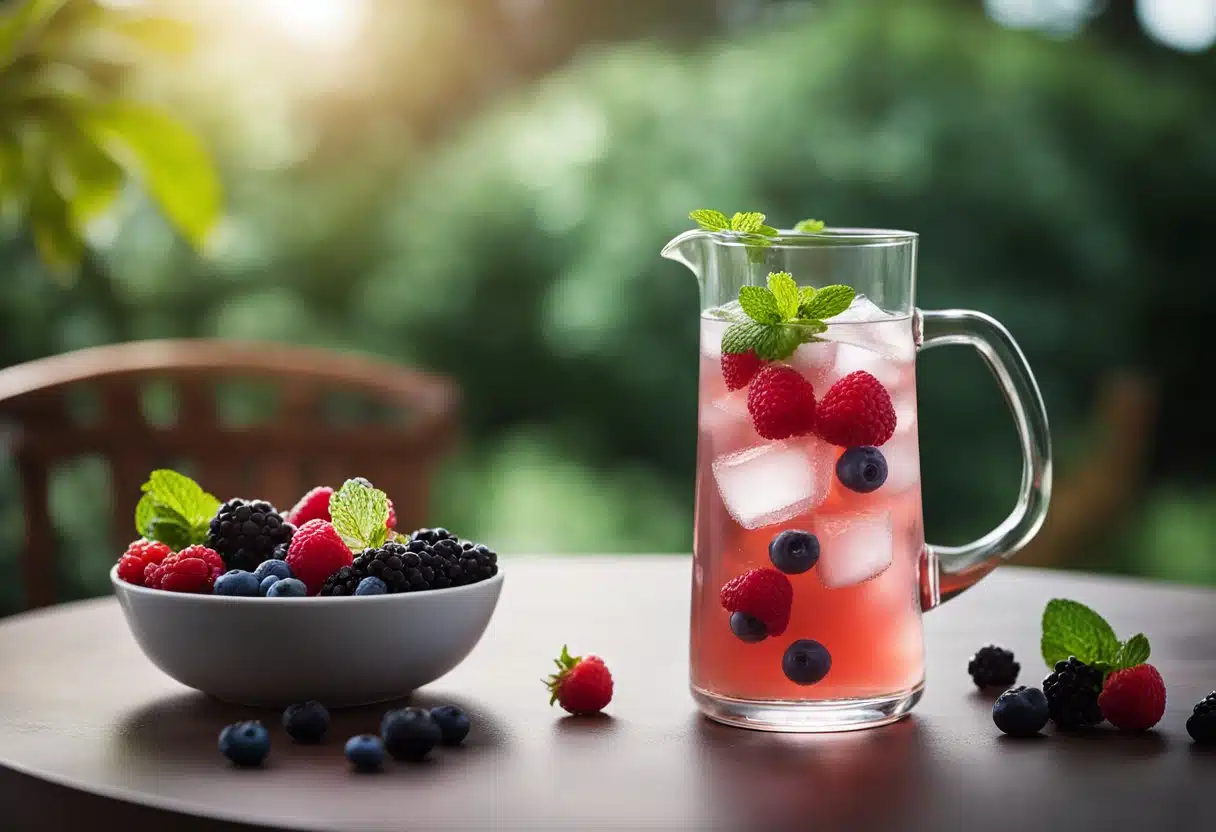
(844, 237)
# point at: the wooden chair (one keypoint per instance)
(326, 417)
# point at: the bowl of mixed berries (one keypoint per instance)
(327, 601)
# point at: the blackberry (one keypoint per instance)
(993, 666)
(416, 566)
(247, 532)
(431, 536)
(1201, 724)
(1072, 694)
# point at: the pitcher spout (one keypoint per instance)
(689, 250)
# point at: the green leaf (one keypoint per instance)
(748, 222)
(59, 244)
(173, 534)
(805, 293)
(359, 512)
(1073, 629)
(178, 493)
(154, 33)
(710, 219)
(145, 516)
(785, 291)
(757, 247)
(21, 26)
(767, 231)
(809, 226)
(88, 180)
(759, 304)
(827, 302)
(772, 342)
(1134, 651)
(165, 157)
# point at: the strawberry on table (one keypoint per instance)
(582, 685)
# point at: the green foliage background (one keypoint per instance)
(1063, 186)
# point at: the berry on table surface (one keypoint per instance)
(245, 743)
(306, 722)
(453, 723)
(857, 410)
(1201, 724)
(793, 551)
(993, 666)
(1133, 699)
(1072, 694)
(806, 661)
(139, 554)
(764, 593)
(274, 566)
(316, 552)
(748, 628)
(739, 368)
(1021, 711)
(781, 403)
(582, 684)
(862, 469)
(238, 582)
(246, 532)
(193, 569)
(287, 588)
(371, 585)
(365, 752)
(267, 583)
(409, 733)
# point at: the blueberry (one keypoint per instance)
(267, 583)
(287, 588)
(371, 585)
(747, 627)
(793, 551)
(1021, 711)
(237, 582)
(306, 722)
(245, 743)
(409, 733)
(366, 752)
(806, 662)
(862, 469)
(278, 568)
(453, 723)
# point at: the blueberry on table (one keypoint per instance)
(409, 733)
(287, 588)
(306, 722)
(806, 661)
(1021, 711)
(245, 743)
(453, 723)
(793, 551)
(238, 583)
(747, 627)
(274, 566)
(365, 752)
(862, 469)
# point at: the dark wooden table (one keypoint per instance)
(93, 737)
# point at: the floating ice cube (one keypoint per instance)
(879, 332)
(816, 361)
(854, 548)
(775, 482)
(861, 309)
(902, 452)
(734, 404)
(711, 337)
(850, 359)
(904, 402)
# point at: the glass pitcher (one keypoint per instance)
(819, 547)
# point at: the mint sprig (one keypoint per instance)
(174, 509)
(748, 225)
(782, 316)
(1072, 629)
(359, 512)
(810, 226)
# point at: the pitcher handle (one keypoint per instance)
(947, 571)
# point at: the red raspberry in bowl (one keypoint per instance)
(315, 506)
(138, 556)
(193, 569)
(316, 552)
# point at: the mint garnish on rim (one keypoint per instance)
(1073, 629)
(747, 225)
(359, 512)
(783, 316)
(810, 226)
(174, 510)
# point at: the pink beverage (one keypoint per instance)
(858, 601)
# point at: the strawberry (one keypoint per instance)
(738, 368)
(1133, 699)
(582, 685)
(765, 594)
(857, 410)
(781, 403)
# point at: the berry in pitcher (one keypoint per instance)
(765, 594)
(857, 410)
(781, 403)
(748, 628)
(806, 661)
(862, 469)
(793, 551)
(739, 368)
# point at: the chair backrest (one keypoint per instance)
(194, 405)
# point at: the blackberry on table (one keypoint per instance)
(1201, 724)
(993, 666)
(1072, 694)
(247, 532)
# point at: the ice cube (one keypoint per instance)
(850, 359)
(854, 548)
(775, 482)
(711, 337)
(887, 335)
(902, 452)
(816, 361)
(861, 309)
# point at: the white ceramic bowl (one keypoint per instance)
(276, 651)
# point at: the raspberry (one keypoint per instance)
(582, 685)
(138, 556)
(765, 594)
(1133, 699)
(781, 403)
(738, 368)
(856, 411)
(315, 506)
(193, 569)
(316, 552)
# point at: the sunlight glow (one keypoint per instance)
(1188, 25)
(315, 24)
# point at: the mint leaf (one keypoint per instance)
(785, 291)
(145, 516)
(827, 302)
(749, 222)
(805, 294)
(809, 226)
(1132, 652)
(174, 509)
(1073, 629)
(757, 247)
(771, 342)
(710, 219)
(759, 304)
(174, 535)
(359, 512)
